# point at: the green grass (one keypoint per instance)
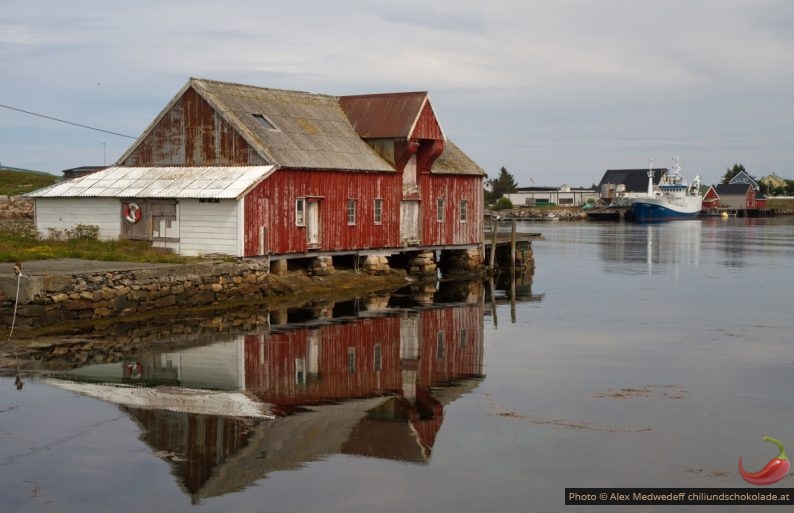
(13, 183)
(20, 243)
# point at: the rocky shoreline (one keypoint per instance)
(543, 214)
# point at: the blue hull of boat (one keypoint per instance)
(648, 212)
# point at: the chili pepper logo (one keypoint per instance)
(774, 471)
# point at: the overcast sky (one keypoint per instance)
(556, 91)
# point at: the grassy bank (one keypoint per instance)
(13, 183)
(20, 243)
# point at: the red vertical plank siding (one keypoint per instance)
(453, 189)
(427, 126)
(272, 204)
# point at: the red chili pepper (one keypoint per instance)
(774, 471)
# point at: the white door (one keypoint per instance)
(313, 223)
(409, 222)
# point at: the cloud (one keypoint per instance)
(561, 88)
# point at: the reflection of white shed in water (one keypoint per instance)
(217, 366)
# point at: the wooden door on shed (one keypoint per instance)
(409, 222)
(148, 219)
(163, 214)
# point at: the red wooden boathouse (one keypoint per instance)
(307, 175)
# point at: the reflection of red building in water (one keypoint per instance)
(402, 355)
(369, 357)
(374, 386)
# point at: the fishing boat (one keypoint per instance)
(673, 198)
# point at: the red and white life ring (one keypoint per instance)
(132, 212)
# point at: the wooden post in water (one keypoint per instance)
(513, 246)
(494, 228)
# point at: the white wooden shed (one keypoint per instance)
(194, 211)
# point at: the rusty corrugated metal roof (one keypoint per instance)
(214, 182)
(311, 130)
(384, 116)
(454, 161)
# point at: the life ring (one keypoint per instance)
(132, 212)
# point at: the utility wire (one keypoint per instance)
(67, 122)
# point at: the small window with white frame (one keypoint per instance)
(300, 212)
(464, 211)
(440, 210)
(351, 212)
(378, 210)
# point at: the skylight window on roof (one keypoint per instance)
(264, 122)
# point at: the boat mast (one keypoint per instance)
(650, 179)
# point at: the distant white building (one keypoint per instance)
(563, 196)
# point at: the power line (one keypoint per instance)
(67, 122)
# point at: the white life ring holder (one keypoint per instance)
(132, 212)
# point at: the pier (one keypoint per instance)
(504, 246)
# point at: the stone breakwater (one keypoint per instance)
(52, 298)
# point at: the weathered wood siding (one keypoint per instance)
(427, 126)
(191, 133)
(66, 213)
(453, 189)
(270, 209)
(278, 368)
(207, 228)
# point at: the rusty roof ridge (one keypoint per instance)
(261, 88)
(373, 95)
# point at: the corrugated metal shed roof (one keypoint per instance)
(311, 130)
(454, 161)
(160, 182)
(383, 116)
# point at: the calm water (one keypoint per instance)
(637, 355)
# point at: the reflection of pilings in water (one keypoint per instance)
(423, 293)
(513, 298)
(493, 301)
(323, 310)
(375, 303)
(515, 285)
(126, 341)
(279, 316)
